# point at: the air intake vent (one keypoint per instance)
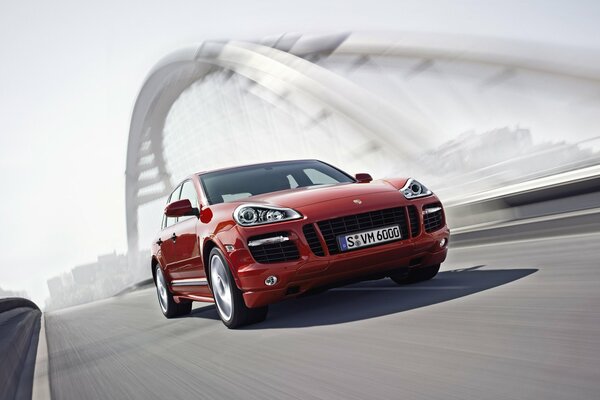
(274, 252)
(332, 228)
(415, 223)
(313, 240)
(433, 217)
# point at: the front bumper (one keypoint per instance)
(310, 271)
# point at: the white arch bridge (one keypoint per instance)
(374, 102)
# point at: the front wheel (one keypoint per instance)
(416, 275)
(169, 307)
(228, 298)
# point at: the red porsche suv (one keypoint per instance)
(250, 236)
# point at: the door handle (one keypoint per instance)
(159, 241)
(174, 237)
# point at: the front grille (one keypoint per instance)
(313, 239)
(332, 228)
(415, 224)
(433, 220)
(275, 252)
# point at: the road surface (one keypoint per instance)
(517, 320)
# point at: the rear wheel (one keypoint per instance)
(228, 298)
(168, 306)
(416, 275)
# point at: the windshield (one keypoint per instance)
(237, 183)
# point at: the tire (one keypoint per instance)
(416, 275)
(168, 306)
(228, 298)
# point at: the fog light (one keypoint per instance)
(443, 242)
(271, 280)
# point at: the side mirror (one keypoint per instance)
(181, 208)
(363, 178)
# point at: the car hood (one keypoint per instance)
(299, 197)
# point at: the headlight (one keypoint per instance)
(414, 189)
(258, 214)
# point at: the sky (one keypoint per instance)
(70, 72)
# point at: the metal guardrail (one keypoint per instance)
(565, 203)
(588, 176)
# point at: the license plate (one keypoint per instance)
(368, 238)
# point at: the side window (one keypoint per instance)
(318, 178)
(293, 183)
(173, 197)
(188, 191)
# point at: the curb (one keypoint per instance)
(41, 381)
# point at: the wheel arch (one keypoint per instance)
(209, 244)
(153, 265)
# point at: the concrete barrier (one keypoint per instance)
(19, 334)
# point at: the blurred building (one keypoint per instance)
(56, 287)
(480, 161)
(85, 274)
(13, 293)
(109, 275)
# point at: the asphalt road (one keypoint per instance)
(514, 320)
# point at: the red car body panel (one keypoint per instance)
(184, 259)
